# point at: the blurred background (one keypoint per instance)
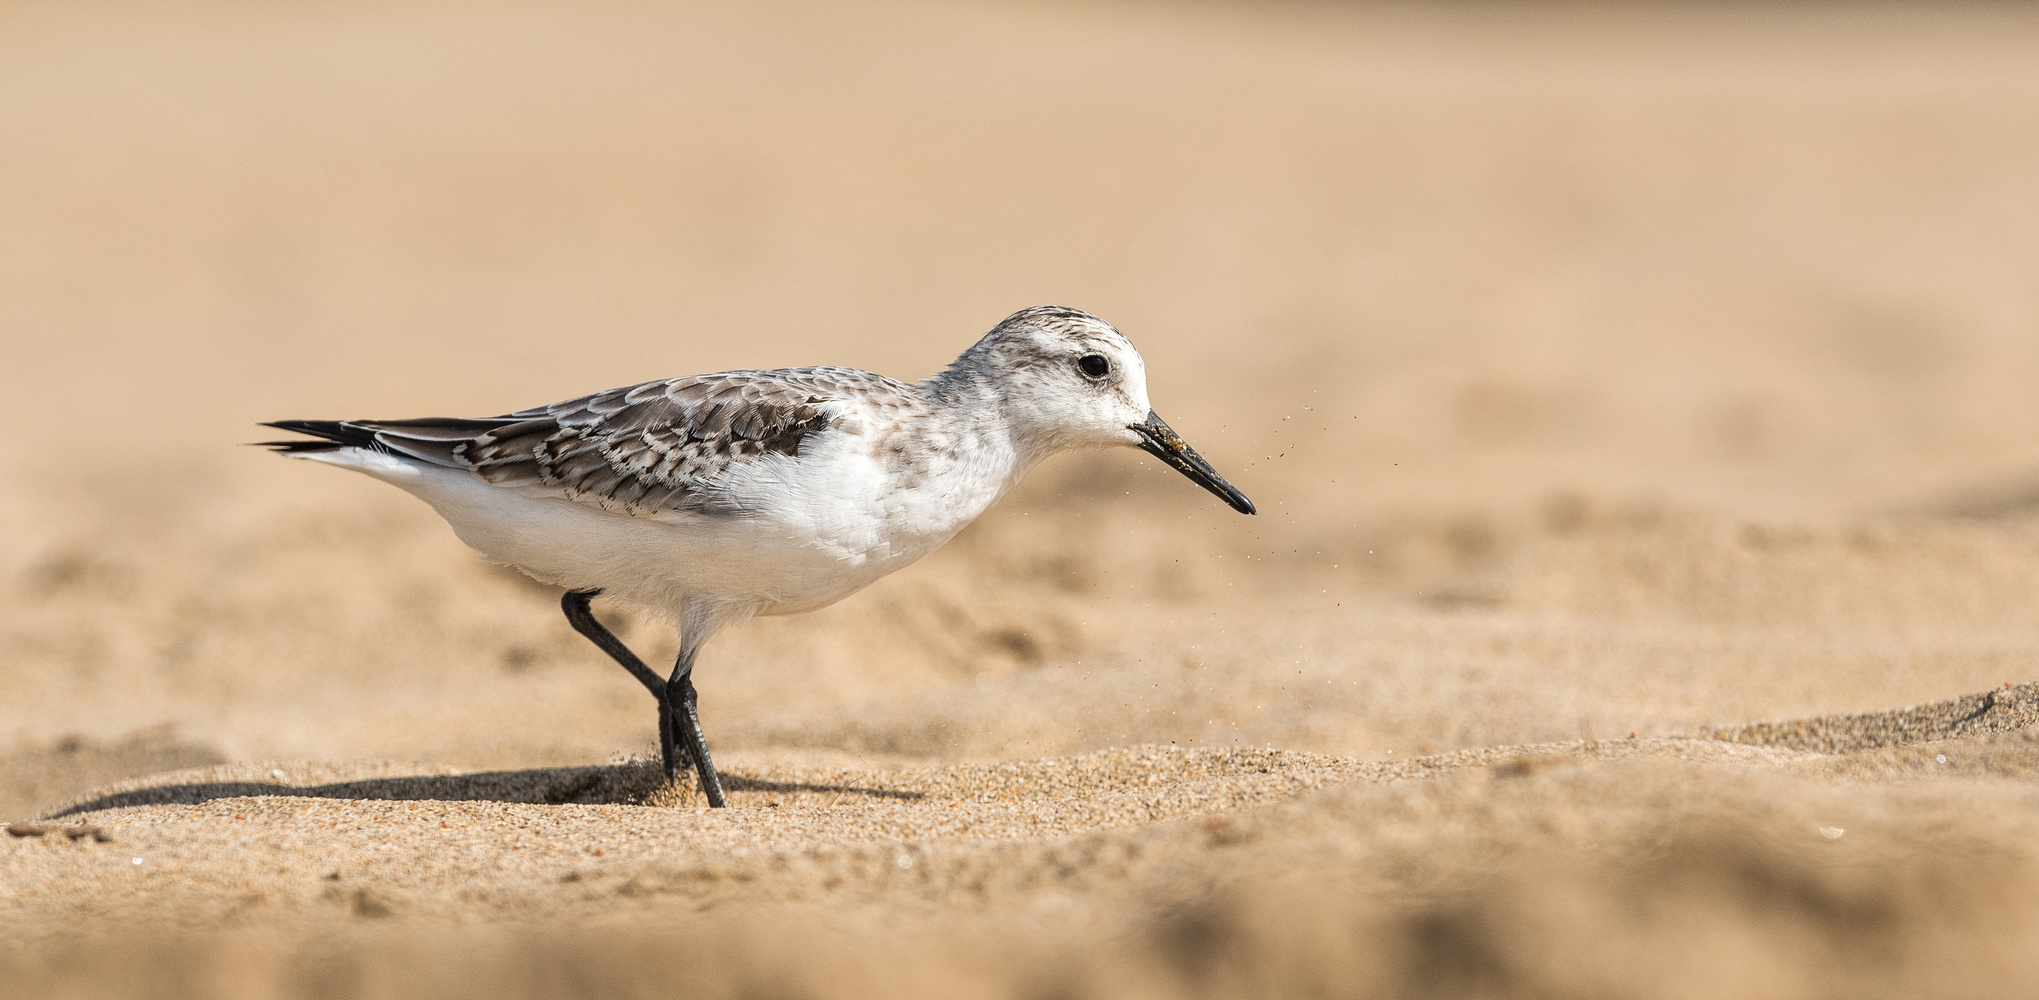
(1590, 363)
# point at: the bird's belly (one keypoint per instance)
(780, 565)
(802, 567)
(662, 562)
(816, 543)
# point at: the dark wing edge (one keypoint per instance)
(437, 440)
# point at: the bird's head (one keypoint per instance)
(1066, 379)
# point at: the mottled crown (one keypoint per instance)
(1055, 319)
(1034, 338)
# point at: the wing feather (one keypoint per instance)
(655, 446)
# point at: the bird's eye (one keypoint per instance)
(1094, 365)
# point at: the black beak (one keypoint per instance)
(1158, 440)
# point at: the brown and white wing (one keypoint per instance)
(658, 446)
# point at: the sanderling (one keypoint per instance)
(714, 498)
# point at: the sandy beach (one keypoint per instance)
(1642, 405)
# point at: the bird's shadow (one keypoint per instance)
(609, 784)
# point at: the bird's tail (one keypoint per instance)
(327, 435)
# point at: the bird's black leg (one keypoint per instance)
(687, 727)
(575, 604)
(668, 743)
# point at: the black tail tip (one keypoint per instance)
(296, 447)
(330, 435)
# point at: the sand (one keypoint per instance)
(1639, 403)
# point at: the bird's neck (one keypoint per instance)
(967, 381)
(970, 399)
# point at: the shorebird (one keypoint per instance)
(713, 498)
